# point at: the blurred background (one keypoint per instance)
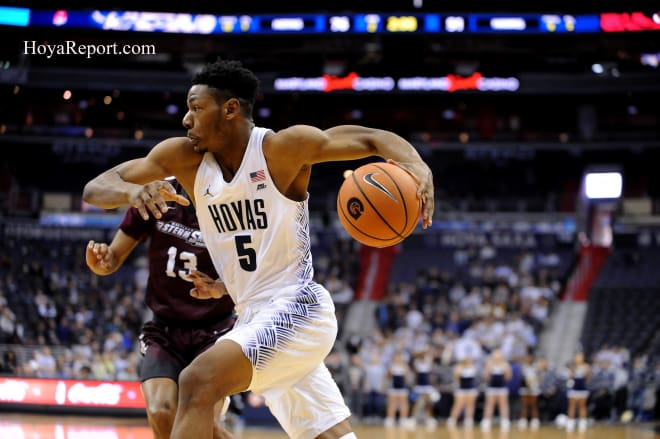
(541, 124)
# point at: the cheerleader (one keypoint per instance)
(579, 374)
(465, 393)
(398, 393)
(497, 373)
(530, 390)
(427, 395)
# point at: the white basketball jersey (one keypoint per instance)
(258, 239)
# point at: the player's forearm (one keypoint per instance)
(108, 190)
(394, 147)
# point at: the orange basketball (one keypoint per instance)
(377, 204)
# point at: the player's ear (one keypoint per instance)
(231, 108)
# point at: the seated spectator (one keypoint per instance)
(9, 365)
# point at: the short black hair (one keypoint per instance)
(231, 80)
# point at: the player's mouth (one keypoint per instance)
(195, 141)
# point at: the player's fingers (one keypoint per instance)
(428, 207)
(167, 191)
(90, 256)
(182, 200)
(101, 251)
(142, 209)
(171, 195)
(155, 208)
(160, 203)
(96, 248)
(90, 248)
(198, 293)
(107, 254)
(201, 276)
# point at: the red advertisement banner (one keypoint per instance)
(627, 22)
(71, 393)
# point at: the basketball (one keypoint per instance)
(377, 204)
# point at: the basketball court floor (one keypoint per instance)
(31, 426)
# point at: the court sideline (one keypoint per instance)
(34, 426)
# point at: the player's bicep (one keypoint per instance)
(308, 145)
(141, 171)
(347, 142)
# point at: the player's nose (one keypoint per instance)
(187, 121)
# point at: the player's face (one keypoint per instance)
(203, 118)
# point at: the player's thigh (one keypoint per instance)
(311, 406)
(161, 353)
(160, 394)
(220, 371)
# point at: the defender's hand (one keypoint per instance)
(99, 257)
(206, 287)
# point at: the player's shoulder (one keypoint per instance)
(176, 143)
(296, 134)
(177, 150)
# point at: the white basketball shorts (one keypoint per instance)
(286, 340)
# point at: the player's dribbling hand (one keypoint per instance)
(205, 286)
(100, 258)
(153, 197)
(424, 177)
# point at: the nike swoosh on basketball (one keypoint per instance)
(369, 179)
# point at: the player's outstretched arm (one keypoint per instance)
(392, 147)
(352, 142)
(139, 182)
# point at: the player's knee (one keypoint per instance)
(161, 413)
(219, 432)
(196, 385)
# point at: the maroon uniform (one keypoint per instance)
(183, 327)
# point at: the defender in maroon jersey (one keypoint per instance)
(182, 326)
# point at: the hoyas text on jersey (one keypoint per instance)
(239, 214)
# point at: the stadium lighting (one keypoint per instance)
(603, 185)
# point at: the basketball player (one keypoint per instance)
(249, 185)
(465, 393)
(497, 372)
(182, 326)
(579, 374)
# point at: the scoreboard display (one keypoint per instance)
(329, 23)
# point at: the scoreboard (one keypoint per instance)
(328, 23)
